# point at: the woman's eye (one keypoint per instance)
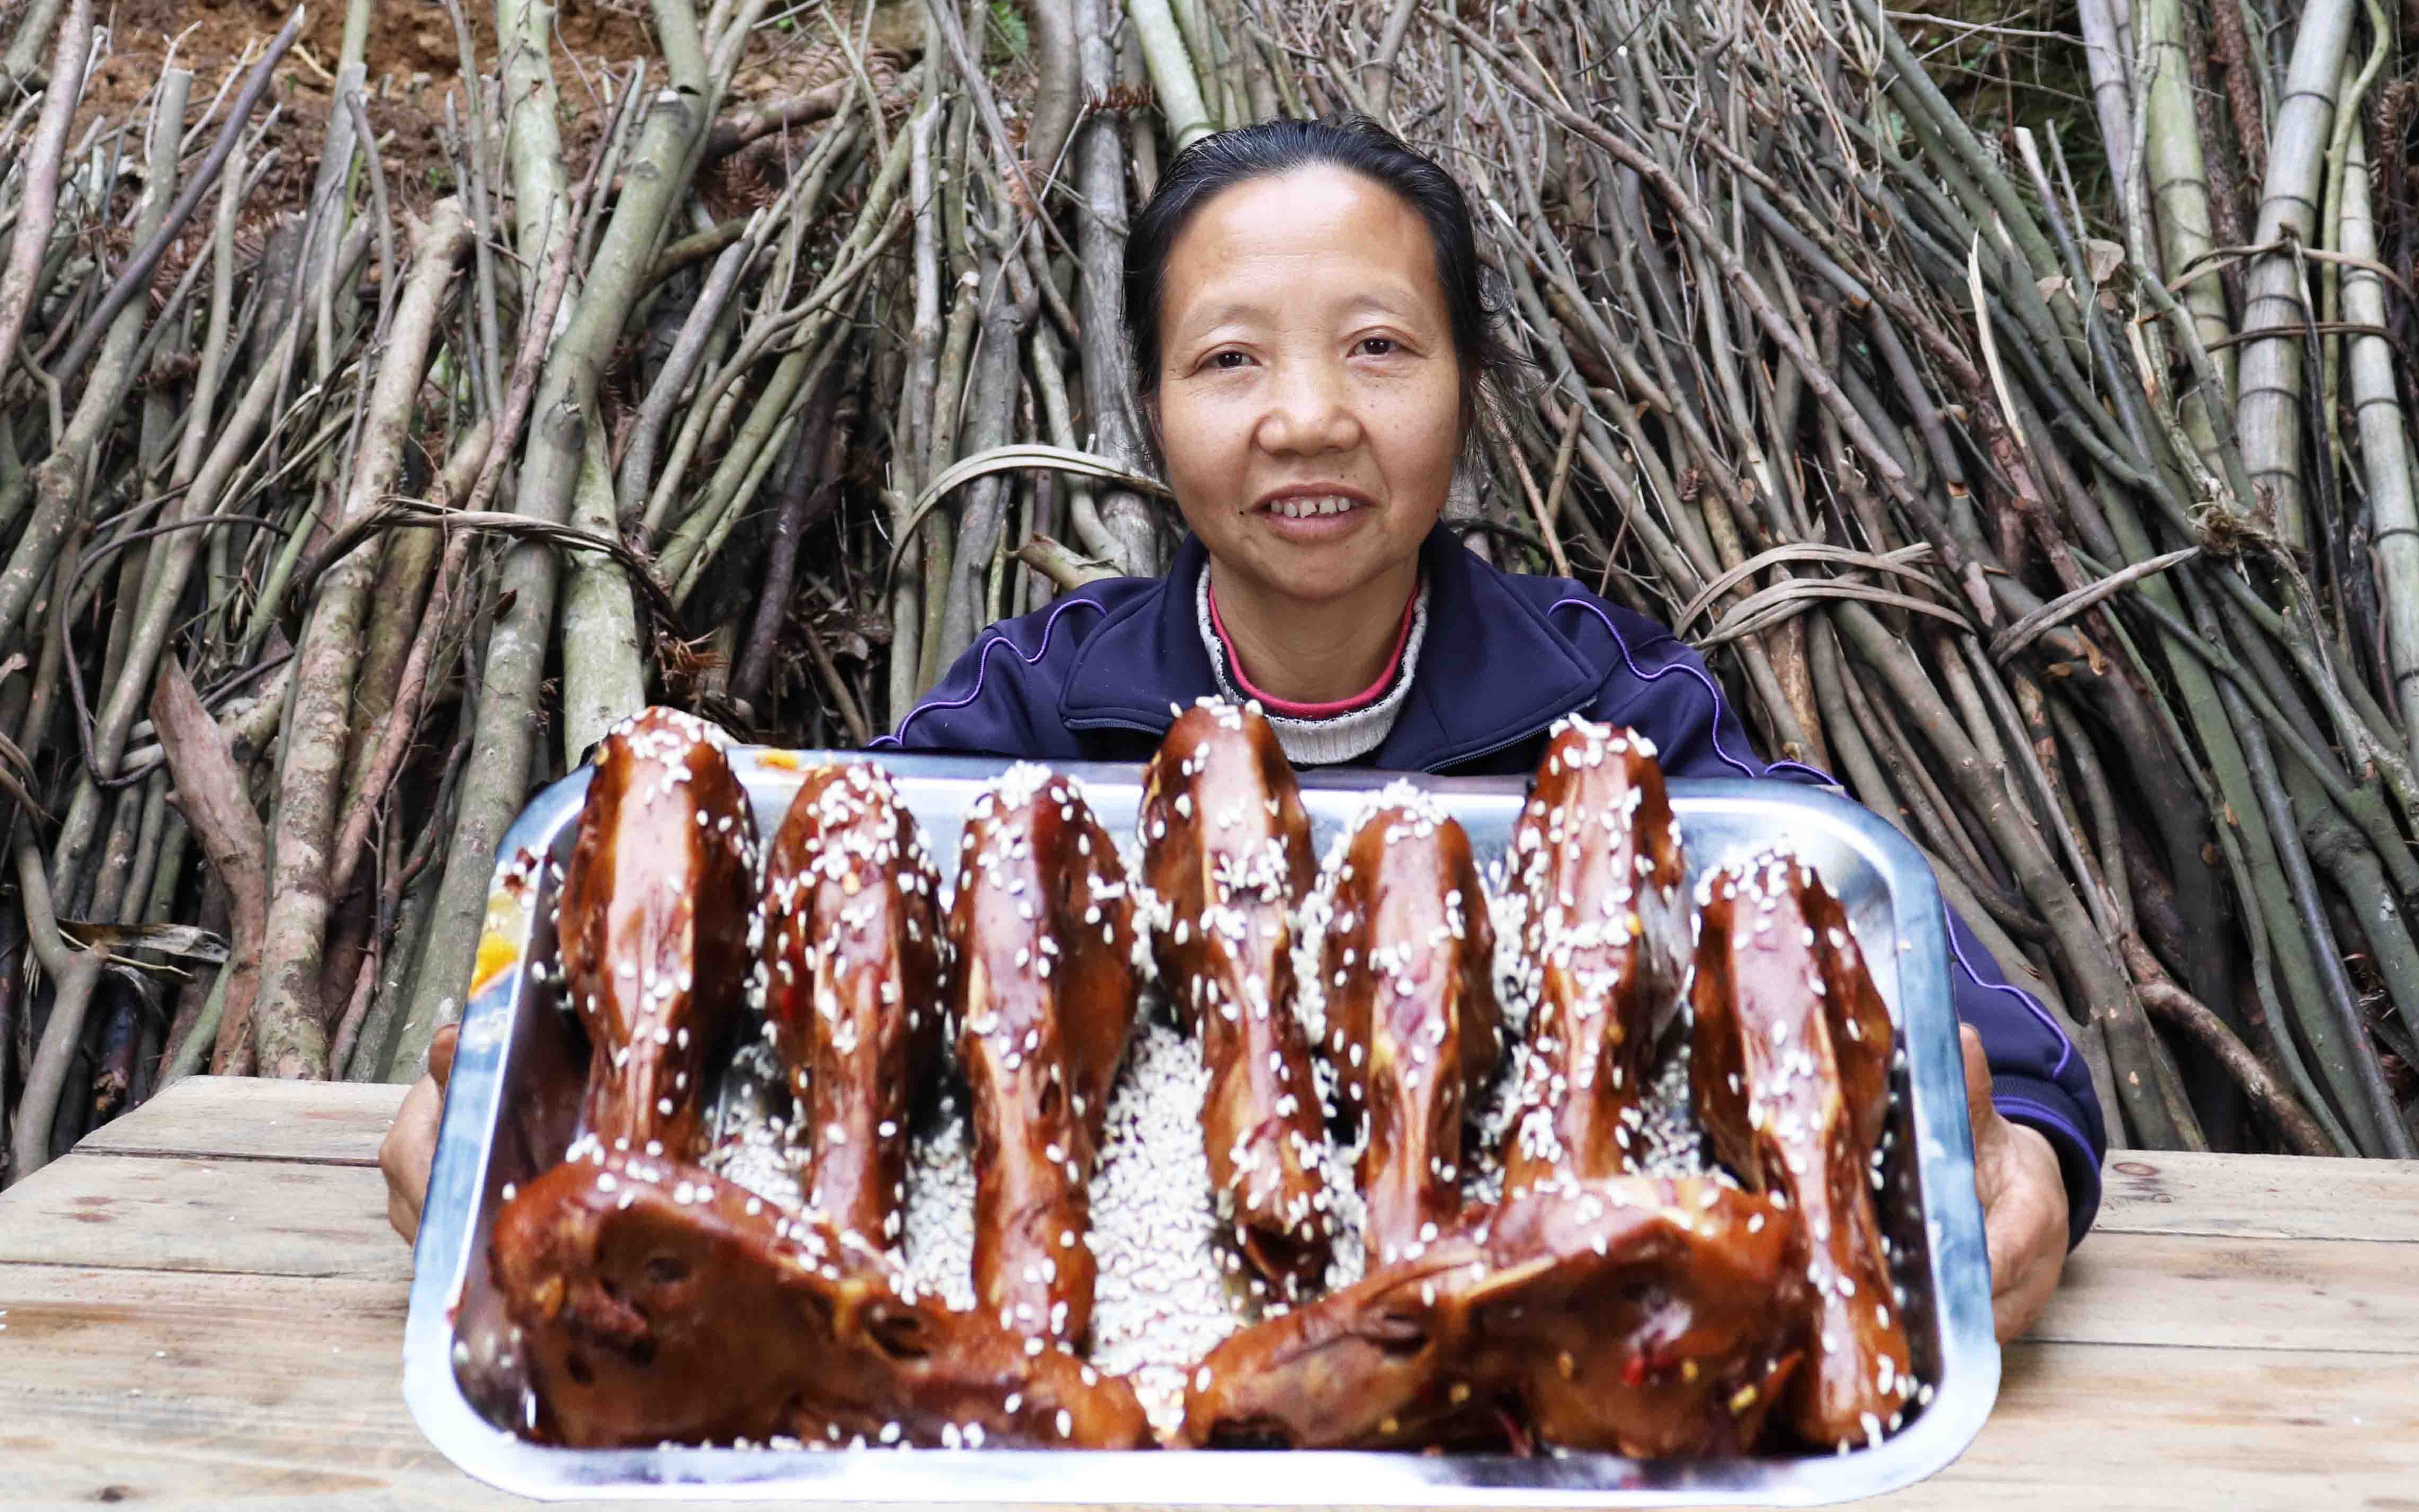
(1228, 359)
(1377, 346)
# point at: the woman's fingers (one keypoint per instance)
(410, 1145)
(2024, 1202)
(403, 1216)
(1989, 1131)
(1979, 1109)
(2028, 1232)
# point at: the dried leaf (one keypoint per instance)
(2102, 258)
(185, 940)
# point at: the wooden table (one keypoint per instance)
(204, 1305)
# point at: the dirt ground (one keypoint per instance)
(412, 63)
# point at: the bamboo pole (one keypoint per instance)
(2177, 179)
(2268, 394)
(2387, 461)
(1172, 71)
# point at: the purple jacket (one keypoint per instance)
(1091, 678)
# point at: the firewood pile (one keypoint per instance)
(2045, 474)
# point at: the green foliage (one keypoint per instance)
(1010, 37)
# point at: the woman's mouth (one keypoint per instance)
(1310, 505)
(1311, 520)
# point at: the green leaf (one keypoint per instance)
(1008, 29)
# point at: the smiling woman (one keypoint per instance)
(1314, 351)
(1309, 409)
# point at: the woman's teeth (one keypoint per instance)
(1305, 508)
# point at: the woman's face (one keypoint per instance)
(1309, 397)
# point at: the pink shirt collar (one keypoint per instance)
(1291, 710)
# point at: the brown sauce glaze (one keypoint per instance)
(1412, 1026)
(1226, 853)
(1790, 1068)
(656, 1302)
(1641, 1316)
(655, 916)
(1042, 928)
(1596, 860)
(855, 965)
(1590, 1307)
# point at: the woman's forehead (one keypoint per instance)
(1284, 236)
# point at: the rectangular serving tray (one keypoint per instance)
(518, 1073)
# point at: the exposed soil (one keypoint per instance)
(412, 64)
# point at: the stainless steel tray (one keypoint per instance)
(516, 1088)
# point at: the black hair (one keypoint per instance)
(1354, 141)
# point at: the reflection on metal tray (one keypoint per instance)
(518, 1073)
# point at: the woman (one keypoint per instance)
(1303, 304)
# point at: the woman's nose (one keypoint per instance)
(1309, 411)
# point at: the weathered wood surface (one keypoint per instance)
(204, 1309)
(146, 1212)
(337, 1124)
(2258, 1196)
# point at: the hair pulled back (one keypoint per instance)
(1355, 142)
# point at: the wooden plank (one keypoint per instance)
(2258, 1196)
(236, 1401)
(2227, 1337)
(2352, 1295)
(2270, 1196)
(280, 1219)
(198, 1390)
(256, 1118)
(254, 1216)
(2111, 1426)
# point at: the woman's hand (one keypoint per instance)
(2024, 1202)
(412, 1143)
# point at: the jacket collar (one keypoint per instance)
(1491, 671)
(1143, 657)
